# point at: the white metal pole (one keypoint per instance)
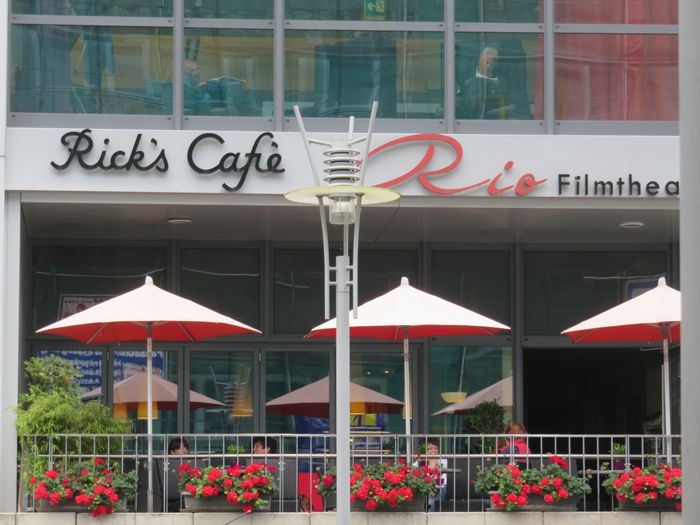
(149, 412)
(666, 386)
(342, 390)
(407, 392)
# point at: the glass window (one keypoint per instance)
(131, 364)
(340, 73)
(228, 72)
(616, 77)
(73, 69)
(289, 371)
(499, 76)
(616, 11)
(219, 9)
(479, 281)
(297, 290)
(498, 11)
(382, 270)
(456, 372)
(68, 279)
(402, 10)
(88, 362)
(225, 280)
(564, 288)
(93, 7)
(227, 377)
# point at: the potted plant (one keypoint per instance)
(485, 418)
(648, 488)
(548, 488)
(244, 488)
(386, 486)
(97, 486)
(618, 449)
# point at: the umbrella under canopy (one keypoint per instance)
(132, 391)
(146, 313)
(313, 400)
(654, 316)
(502, 391)
(406, 312)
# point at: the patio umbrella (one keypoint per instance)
(313, 400)
(133, 391)
(146, 313)
(654, 316)
(502, 391)
(406, 312)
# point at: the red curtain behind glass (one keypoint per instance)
(616, 77)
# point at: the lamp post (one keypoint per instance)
(344, 194)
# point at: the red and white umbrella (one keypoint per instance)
(406, 312)
(652, 317)
(146, 313)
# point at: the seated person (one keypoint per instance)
(514, 446)
(432, 461)
(264, 445)
(176, 447)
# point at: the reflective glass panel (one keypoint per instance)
(219, 9)
(401, 10)
(616, 11)
(69, 279)
(228, 378)
(130, 383)
(479, 281)
(93, 7)
(286, 372)
(499, 76)
(498, 10)
(616, 77)
(72, 69)
(340, 73)
(225, 280)
(297, 290)
(381, 372)
(565, 288)
(228, 72)
(382, 270)
(88, 362)
(458, 372)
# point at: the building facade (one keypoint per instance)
(533, 141)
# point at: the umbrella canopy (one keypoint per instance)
(654, 316)
(313, 400)
(133, 390)
(406, 312)
(502, 391)
(144, 314)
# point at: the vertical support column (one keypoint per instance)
(689, 47)
(342, 390)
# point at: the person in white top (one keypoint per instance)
(432, 461)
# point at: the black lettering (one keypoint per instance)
(81, 144)
(226, 166)
(604, 187)
(652, 187)
(194, 144)
(620, 185)
(273, 163)
(563, 182)
(633, 184)
(672, 187)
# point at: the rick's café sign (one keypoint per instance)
(420, 164)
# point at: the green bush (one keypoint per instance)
(485, 418)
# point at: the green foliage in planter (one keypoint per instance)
(485, 418)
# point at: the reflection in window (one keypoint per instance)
(225, 280)
(563, 288)
(72, 69)
(219, 9)
(297, 290)
(498, 11)
(88, 363)
(130, 8)
(130, 383)
(227, 377)
(499, 76)
(340, 73)
(616, 11)
(66, 279)
(228, 72)
(375, 10)
(381, 271)
(289, 371)
(616, 77)
(479, 281)
(456, 372)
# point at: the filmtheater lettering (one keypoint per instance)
(583, 186)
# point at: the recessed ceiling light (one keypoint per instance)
(179, 220)
(631, 224)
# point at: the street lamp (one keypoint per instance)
(343, 194)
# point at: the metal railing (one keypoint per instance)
(301, 460)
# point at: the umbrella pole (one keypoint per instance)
(667, 398)
(149, 412)
(407, 393)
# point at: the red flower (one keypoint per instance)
(548, 498)
(370, 504)
(51, 474)
(99, 461)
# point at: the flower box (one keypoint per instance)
(660, 505)
(42, 505)
(655, 487)
(417, 504)
(214, 504)
(535, 503)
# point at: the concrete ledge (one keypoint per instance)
(184, 518)
(456, 518)
(667, 518)
(7, 519)
(43, 518)
(572, 518)
(513, 518)
(118, 518)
